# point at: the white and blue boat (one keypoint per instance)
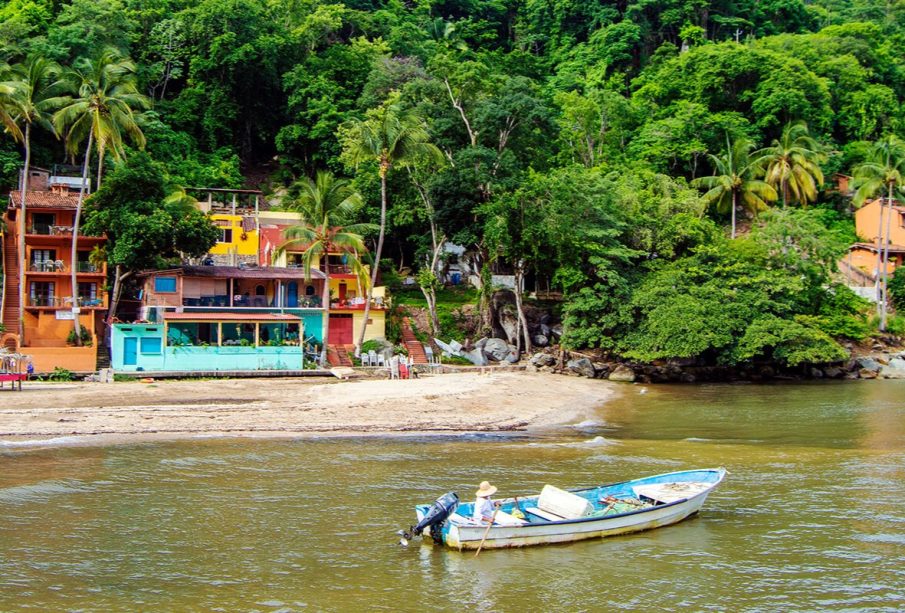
(559, 516)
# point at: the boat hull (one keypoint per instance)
(464, 538)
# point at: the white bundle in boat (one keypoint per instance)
(565, 504)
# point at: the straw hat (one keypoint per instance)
(485, 490)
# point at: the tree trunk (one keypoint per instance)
(384, 168)
(24, 225)
(785, 192)
(877, 285)
(100, 166)
(326, 326)
(73, 263)
(522, 320)
(118, 279)
(734, 195)
(884, 305)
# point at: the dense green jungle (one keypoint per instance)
(667, 167)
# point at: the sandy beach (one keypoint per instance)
(462, 402)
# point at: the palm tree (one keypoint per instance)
(735, 179)
(884, 170)
(102, 110)
(792, 164)
(326, 205)
(391, 136)
(33, 86)
(8, 87)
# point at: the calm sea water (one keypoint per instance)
(811, 518)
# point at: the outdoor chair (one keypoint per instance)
(58, 265)
(373, 358)
(48, 265)
(365, 359)
(393, 367)
(381, 359)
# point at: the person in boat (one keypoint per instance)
(483, 505)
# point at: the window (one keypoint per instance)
(41, 222)
(150, 345)
(165, 284)
(226, 235)
(39, 256)
(41, 293)
(88, 291)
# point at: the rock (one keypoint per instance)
(687, 377)
(581, 366)
(897, 363)
(481, 342)
(513, 356)
(507, 316)
(868, 364)
(882, 360)
(623, 373)
(601, 369)
(476, 357)
(544, 329)
(456, 346)
(833, 372)
(852, 374)
(867, 373)
(540, 340)
(531, 367)
(496, 349)
(543, 359)
(816, 373)
(556, 332)
(892, 373)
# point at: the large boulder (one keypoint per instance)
(507, 316)
(513, 356)
(897, 363)
(556, 332)
(623, 373)
(475, 356)
(581, 366)
(868, 364)
(543, 359)
(540, 340)
(496, 349)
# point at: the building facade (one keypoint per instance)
(49, 302)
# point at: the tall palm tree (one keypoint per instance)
(33, 87)
(792, 164)
(326, 205)
(391, 136)
(103, 111)
(8, 87)
(884, 170)
(735, 180)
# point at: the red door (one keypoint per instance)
(340, 330)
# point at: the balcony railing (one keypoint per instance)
(60, 266)
(50, 230)
(303, 302)
(59, 302)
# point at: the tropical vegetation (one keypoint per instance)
(667, 166)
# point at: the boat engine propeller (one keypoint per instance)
(435, 517)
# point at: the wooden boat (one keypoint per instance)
(557, 516)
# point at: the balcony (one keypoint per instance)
(304, 302)
(40, 229)
(58, 266)
(56, 302)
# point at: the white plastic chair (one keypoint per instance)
(381, 359)
(372, 358)
(394, 367)
(365, 359)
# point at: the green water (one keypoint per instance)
(811, 518)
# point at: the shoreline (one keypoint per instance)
(77, 414)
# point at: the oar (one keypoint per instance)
(487, 531)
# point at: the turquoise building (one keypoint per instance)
(208, 342)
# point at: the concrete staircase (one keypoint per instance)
(10, 316)
(412, 344)
(338, 355)
(103, 356)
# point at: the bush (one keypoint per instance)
(61, 374)
(83, 333)
(897, 289)
(371, 345)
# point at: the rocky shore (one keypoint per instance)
(881, 363)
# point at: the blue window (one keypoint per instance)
(150, 345)
(165, 284)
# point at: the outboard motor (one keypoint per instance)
(434, 518)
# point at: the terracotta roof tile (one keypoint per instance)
(45, 200)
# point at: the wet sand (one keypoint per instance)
(462, 402)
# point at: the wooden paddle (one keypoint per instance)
(487, 531)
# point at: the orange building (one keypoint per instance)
(869, 220)
(47, 296)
